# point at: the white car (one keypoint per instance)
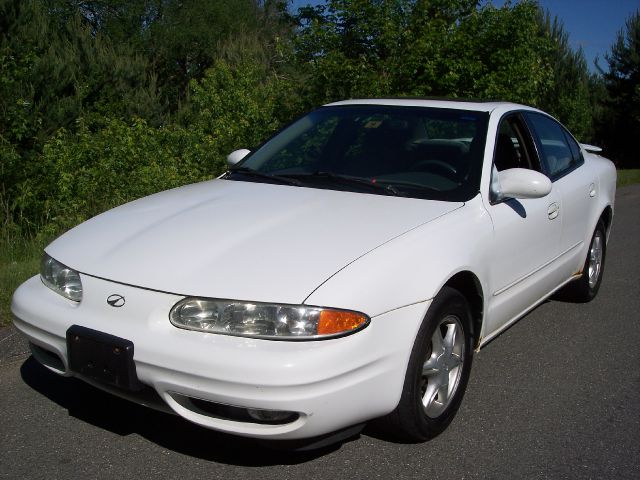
(344, 271)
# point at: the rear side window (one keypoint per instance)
(559, 152)
(575, 148)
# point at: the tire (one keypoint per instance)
(435, 382)
(586, 287)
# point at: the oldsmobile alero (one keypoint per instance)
(346, 270)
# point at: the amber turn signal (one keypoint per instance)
(338, 321)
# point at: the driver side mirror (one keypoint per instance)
(237, 155)
(518, 183)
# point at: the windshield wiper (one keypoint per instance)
(412, 185)
(345, 179)
(250, 172)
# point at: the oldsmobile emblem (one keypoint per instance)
(115, 300)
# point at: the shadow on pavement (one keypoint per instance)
(121, 417)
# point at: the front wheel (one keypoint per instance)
(438, 370)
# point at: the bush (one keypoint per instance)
(91, 172)
(111, 162)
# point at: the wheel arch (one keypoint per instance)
(607, 218)
(468, 284)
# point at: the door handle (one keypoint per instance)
(592, 190)
(553, 211)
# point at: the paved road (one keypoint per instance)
(556, 396)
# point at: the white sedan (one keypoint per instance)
(344, 271)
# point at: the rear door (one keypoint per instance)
(563, 163)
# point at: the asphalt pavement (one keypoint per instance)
(556, 396)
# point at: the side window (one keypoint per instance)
(576, 154)
(559, 152)
(514, 147)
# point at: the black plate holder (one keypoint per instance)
(102, 357)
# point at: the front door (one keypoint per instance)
(527, 234)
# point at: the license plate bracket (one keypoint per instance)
(102, 357)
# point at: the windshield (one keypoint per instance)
(418, 152)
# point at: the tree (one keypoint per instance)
(373, 47)
(619, 126)
(90, 63)
(424, 48)
(500, 53)
(55, 70)
(180, 39)
(570, 96)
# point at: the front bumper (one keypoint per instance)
(332, 384)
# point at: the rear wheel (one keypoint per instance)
(586, 287)
(438, 370)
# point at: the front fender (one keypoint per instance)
(413, 267)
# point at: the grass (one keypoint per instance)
(20, 258)
(628, 177)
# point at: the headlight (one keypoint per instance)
(60, 278)
(265, 320)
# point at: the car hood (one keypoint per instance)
(239, 240)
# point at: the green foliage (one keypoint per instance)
(628, 177)
(94, 171)
(444, 48)
(59, 69)
(571, 95)
(620, 119)
(90, 170)
(502, 55)
(180, 39)
(72, 70)
(239, 107)
(19, 260)
(54, 70)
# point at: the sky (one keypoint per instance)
(591, 24)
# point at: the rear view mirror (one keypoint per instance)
(237, 155)
(519, 183)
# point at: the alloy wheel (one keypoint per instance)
(595, 259)
(442, 368)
